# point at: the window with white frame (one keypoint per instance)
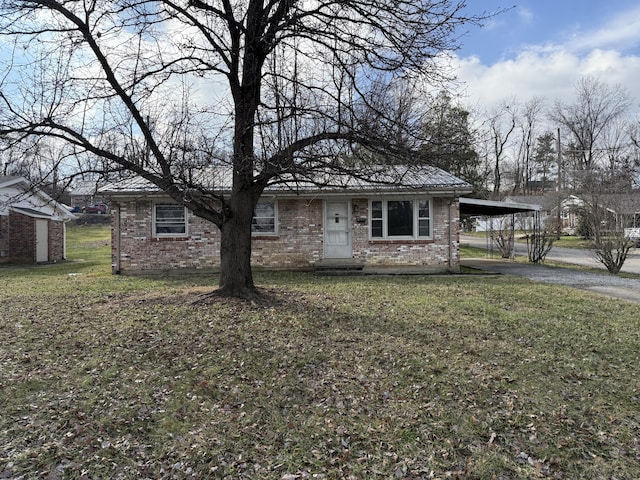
(400, 218)
(264, 220)
(169, 220)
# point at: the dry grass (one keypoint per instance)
(376, 377)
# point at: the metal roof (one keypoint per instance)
(5, 181)
(32, 212)
(390, 179)
(490, 208)
(17, 194)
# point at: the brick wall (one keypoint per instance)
(434, 252)
(22, 238)
(4, 238)
(299, 238)
(298, 243)
(19, 239)
(56, 241)
(140, 251)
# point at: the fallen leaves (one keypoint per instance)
(329, 378)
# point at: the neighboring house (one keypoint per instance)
(625, 206)
(84, 194)
(355, 224)
(548, 213)
(623, 209)
(569, 205)
(32, 224)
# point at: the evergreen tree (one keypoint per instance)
(449, 141)
(545, 158)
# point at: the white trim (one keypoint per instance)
(42, 240)
(415, 201)
(348, 248)
(275, 232)
(169, 235)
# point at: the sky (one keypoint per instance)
(540, 48)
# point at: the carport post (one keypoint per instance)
(512, 253)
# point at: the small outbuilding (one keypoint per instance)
(32, 224)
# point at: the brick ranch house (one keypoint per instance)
(368, 225)
(32, 224)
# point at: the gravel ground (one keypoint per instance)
(611, 285)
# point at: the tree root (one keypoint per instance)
(251, 296)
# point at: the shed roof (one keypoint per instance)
(17, 194)
(32, 212)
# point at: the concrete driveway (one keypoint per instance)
(604, 283)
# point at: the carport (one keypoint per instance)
(476, 207)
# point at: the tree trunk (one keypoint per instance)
(236, 278)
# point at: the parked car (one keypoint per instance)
(74, 209)
(96, 208)
(633, 234)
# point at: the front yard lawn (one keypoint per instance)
(474, 377)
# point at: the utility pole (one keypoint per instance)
(559, 187)
(559, 151)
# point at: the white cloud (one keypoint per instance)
(529, 75)
(621, 32)
(552, 70)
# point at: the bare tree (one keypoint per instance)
(585, 122)
(540, 242)
(619, 165)
(502, 124)
(634, 152)
(529, 119)
(280, 87)
(503, 235)
(606, 212)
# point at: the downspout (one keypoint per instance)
(116, 240)
(512, 249)
(64, 239)
(451, 232)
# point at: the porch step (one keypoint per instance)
(338, 266)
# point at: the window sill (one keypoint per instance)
(265, 236)
(408, 241)
(170, 239)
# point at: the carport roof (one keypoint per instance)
(490, 208)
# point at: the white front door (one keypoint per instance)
(42, 240)
(337, 231)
